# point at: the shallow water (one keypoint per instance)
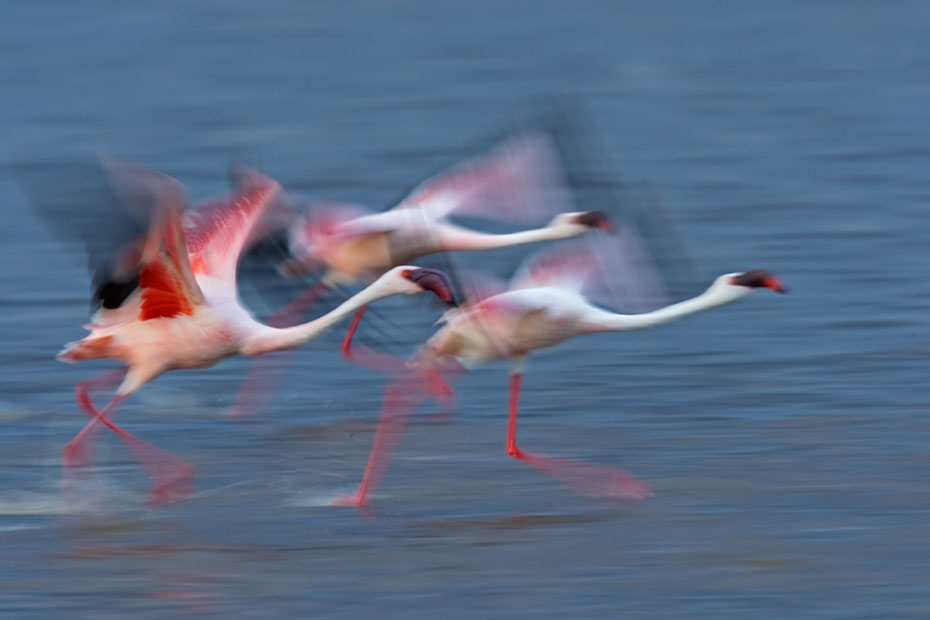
(786, 438)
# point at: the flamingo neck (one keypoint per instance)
(275, 339)
(462, 239)
(711, 298)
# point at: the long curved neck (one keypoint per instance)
(711, 298)
(269, 338)
(455, 238)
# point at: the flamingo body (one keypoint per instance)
(520, 176)
(507, 325)
(511, 324)
(185, 311)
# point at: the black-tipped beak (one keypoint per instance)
(596, 219)
(435, 281)
(776, 285)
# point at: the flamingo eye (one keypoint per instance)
(405, 273)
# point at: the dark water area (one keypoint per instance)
(787, 438)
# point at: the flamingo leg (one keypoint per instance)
(172, 478)
(368, 358)
(441, 389)
(81, 485)
(401, 399)
(77, 451)
(582, 478)
(395, 412)
(264, 377)
(515, 380)
(105, 381)
(436, 384)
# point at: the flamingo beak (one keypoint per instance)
(775, 284)
(435, 281)
(596, 219)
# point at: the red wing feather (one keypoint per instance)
(218, 230)
(166, 280)
(162, 292)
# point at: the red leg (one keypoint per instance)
(172, 478)
(400, 401)
(350, 334)
(515, 380)
(582, 478)
(439, 387)
(264, 377)
(398, 405)
(363, 356)
(81, 485)
(78, 450)
(292, 312)
(435, 384)
(77, 454)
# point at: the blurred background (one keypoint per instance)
(786, 438)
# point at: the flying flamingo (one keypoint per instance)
(169, 301)
(349, 243)
(544, 306)
(519, 179)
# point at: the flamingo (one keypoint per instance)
(545, 305)
(349, 243)
(169, 301)
(519, 178)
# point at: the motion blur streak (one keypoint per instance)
(785, 438)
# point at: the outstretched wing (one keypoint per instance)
(325, 223)
(519, 181)
(127, 218)
(97, 214)
(165, 278)
(613, 270)
(218, 230)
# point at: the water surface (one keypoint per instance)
(786, 437)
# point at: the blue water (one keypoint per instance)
(786, 437)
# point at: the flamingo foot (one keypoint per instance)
(588, 480)
(77, 454)
(173, 479)
(354, 499)
(82, 489)
(175, 486)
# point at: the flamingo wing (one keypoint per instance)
(614, 270)
(325, 223)
(519, 181)
(100, 209)
(166, 279)
(218, 230)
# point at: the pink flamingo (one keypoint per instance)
(519, 179)
(348, 243)
(544, 306)
(182, 309)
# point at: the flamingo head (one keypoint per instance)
(732, 286)
(413, 280)
(581, 222)
(758, 278)
(595, 219)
